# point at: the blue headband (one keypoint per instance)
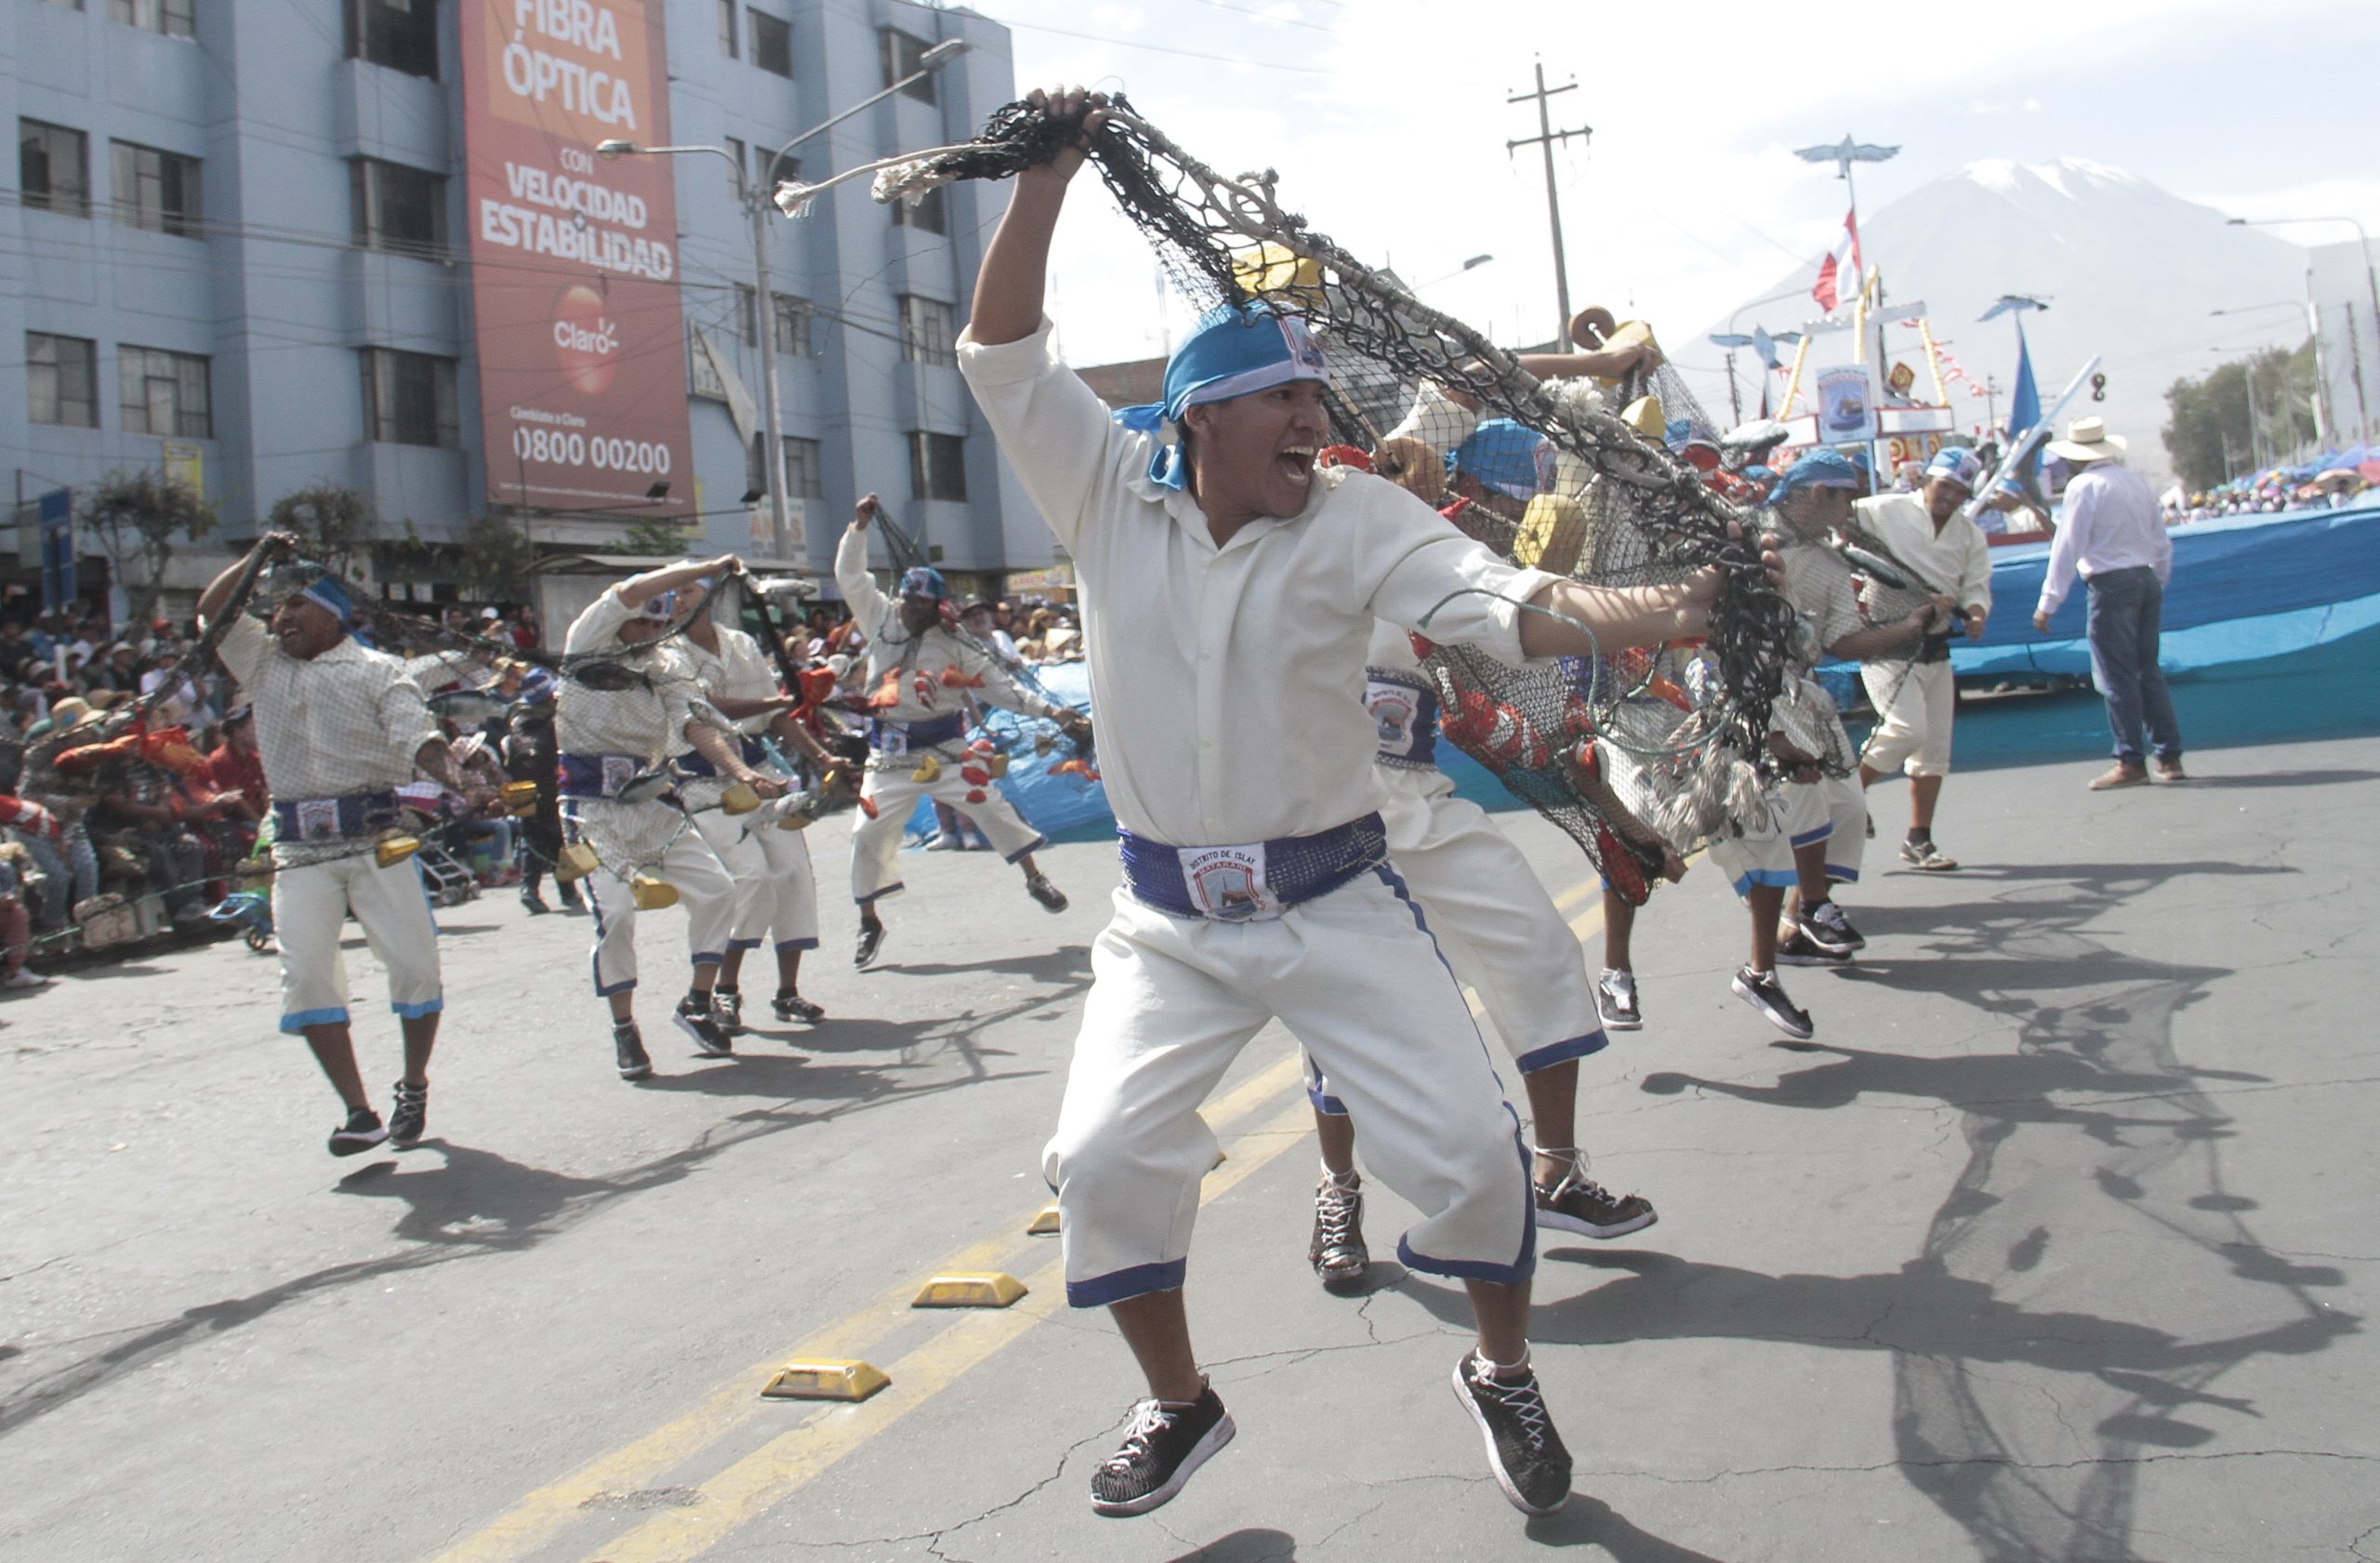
(1819, 468)
(1236, 351)
(1509, 458)
(324, 591)
(924, 582)
(536, 687)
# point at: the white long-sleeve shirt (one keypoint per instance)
(348, 721)
(647, 721)
(1957, 559)
(934, 672)
(1228, 679)
(2112, 522)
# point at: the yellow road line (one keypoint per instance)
(759, 1481)
(769, 1474)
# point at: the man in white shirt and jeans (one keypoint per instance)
(1229, 591)
(2113, 534)
(1917, 700)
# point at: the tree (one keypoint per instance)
(140, 519)
(2209, 432)
(496, 557)
(337, 526)
(648, 534)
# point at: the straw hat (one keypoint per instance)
(2087, 440)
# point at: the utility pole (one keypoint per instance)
(1992, 402)
(1545, 138)
(2355, 356)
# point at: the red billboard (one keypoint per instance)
(575, 257)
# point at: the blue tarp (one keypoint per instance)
(1056, 805)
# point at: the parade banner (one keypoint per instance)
(575, 257)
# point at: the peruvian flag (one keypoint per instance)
(1839, 272)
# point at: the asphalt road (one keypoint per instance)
(2055, 1244)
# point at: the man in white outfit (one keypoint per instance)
(1916, 700)
(620, 739)
(919, 680)
(777, 893)
(339, 727)
(1229, 591)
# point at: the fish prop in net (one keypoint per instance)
(1586, 495)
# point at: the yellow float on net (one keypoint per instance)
(739, 799)
(651, 894)
(928, 771)
(1277, 272)
(1552, 531)
(393, 847)
(575, 862)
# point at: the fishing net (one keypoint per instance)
(1585, 482)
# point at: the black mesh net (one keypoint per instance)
(1545, 465)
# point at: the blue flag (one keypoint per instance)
(2024, 404)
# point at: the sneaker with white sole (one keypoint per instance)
(1164, 1444)
(727, 1009)
(1801, 947)
(693, 1018)
(1829, 920)
(871, 940)
(1337, 1253)
(410, 1117)
(1042, 889)
(1926, 855)
(360, 1133)
(788, 1005)
(1524, 1452)
(25, 977)
(1764, 993)
(1577, 1204)
(1615, 997)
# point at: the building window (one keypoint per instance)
(164, 393)
(937, 466)
(54, 169)
(402, 34)
(61, 377)
(793, 325)
(926, 215)
(398, 208)
(928, 333)
(772, 43)
(727, 28)
(736, 178)
(409, 399)
(905, 56)
(156, 190)
(802, 476)
(748, 315)
(173, 18)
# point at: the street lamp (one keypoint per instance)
(2371, 284)
(755, 202)
(1730, 340)
(2314, 328)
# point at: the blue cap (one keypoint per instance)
(924, 582)
(1956, 463)
(324, 591)
(536, 687)
(1819, 468)
(1509, 458)
(1236, 349)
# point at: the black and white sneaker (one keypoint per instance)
(1338, 1251)
(1042, 889)
(1163, 1445)
(1764, 993)
(872, 940)
(693, 1018)
(1801, 947)
(360, 1133)
(410, 1116)
(532, 902)
(1615, 997)
(628, 1044)
(1524, 1452)
(1826, 919)
(1578, 1203)
(1926, 855)
(789, 1005)
(727, 1010)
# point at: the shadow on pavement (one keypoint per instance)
(1585, 1521)
(1244, 1546)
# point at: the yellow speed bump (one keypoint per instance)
(990, 1290)
(1044, 1222)
(825, 1381)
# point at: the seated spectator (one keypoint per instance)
(233, 767)
(134, 819)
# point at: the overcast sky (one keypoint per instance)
(1387, 122)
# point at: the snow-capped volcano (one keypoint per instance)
(2133, 272)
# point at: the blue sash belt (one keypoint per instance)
(921, 735)
(1250, 883)
(331, 819)
(597, 775)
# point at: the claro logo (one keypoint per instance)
(587, 339)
